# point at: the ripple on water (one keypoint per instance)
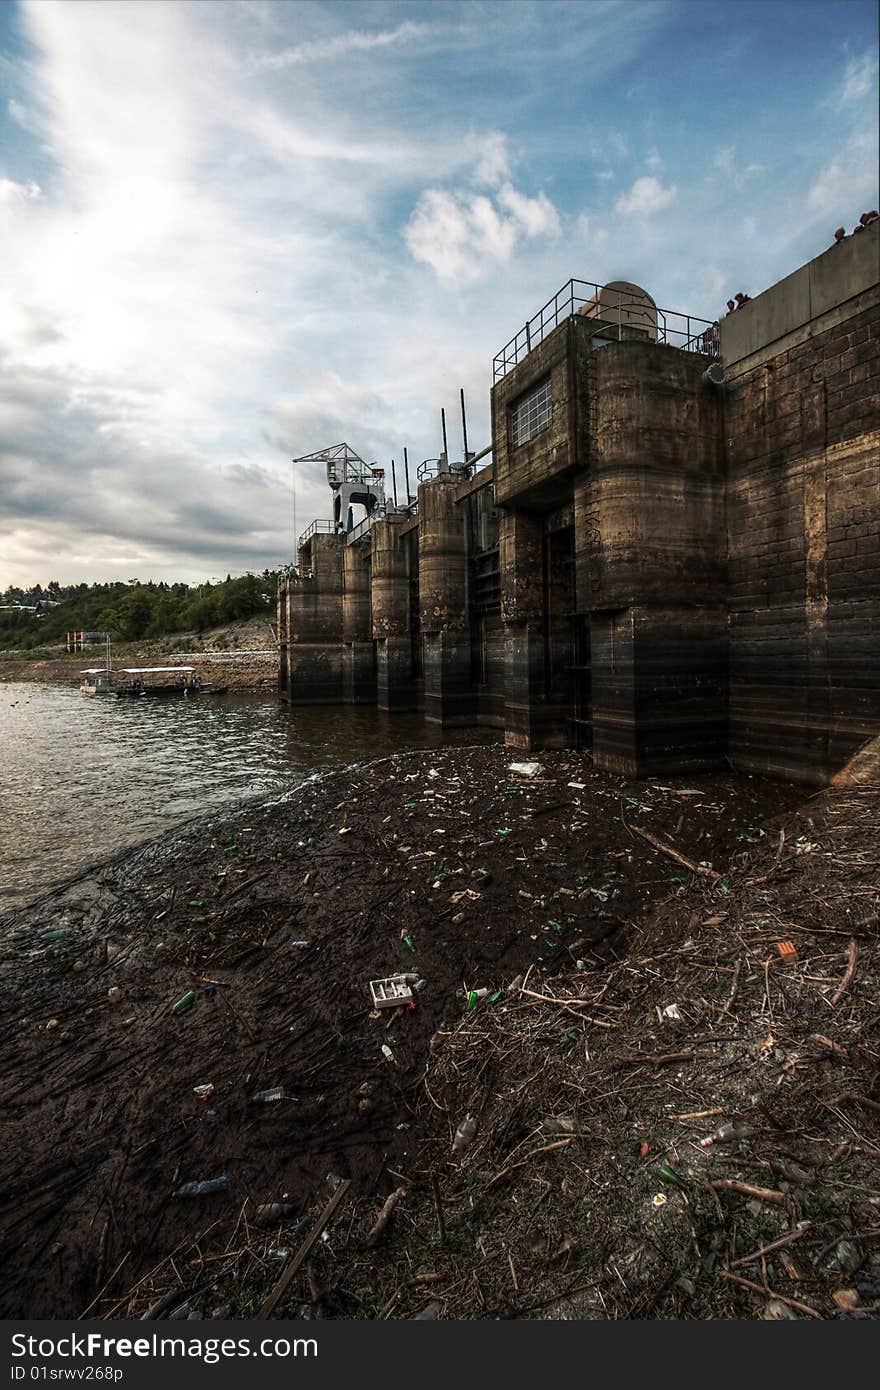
(81, 779)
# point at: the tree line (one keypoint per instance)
(130, 611)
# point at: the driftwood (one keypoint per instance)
(847, 978)
(385, 1215)
(676, 854)
(305, 1250)
(764, 1194)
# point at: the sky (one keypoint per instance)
(232, 233)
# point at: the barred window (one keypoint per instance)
(531, 413)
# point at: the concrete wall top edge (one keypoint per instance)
(831, 279)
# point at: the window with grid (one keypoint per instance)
(531, 413)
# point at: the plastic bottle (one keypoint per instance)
(204, 1188)
(267, 1097)
(728, 1133)
(464, 1134)
(185, 1002)
(274, 1211)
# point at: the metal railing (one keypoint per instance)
(323, 526)
(632, 314)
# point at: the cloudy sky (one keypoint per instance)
(233, 232)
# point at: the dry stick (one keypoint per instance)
(106, 1286)
(438, 1207)
(567, 1004)
(850, 971)
(776, 1245)
(733, 988)
(661, 1059)
(859, 1100)
(545, 1149)
(675, 854)
(764, 1194)
(385, 1215)
(769, 1293)
(305, 1249)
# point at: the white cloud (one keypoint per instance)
(646, 197)
(463, 236)
(339, 46)
(493, 162)
(737, 176)
(846, 182)
(859, 80)
(12, 192)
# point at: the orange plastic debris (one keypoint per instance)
(788, 951)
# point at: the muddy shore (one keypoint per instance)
(636, 1002)
(257, 670)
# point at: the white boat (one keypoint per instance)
(98, 680)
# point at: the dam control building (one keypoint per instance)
(672, 559)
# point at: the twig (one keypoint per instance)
(769, 1293)
(675, 854)
(847, 978)
(545, 1149)
(106, 1286)
(733, 988)
(438, 1207)
(775, 1245)
(305, 1249)
(567, 1004)
(385, 1215)
(764, 1194)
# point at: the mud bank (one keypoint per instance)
(653, 1006)
(249, 671)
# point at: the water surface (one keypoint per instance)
(82, 778)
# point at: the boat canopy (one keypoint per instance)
(155, 670)
(96, 671)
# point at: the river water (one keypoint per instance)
(82, 778)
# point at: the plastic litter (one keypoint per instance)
(268, 1097)
(204, 1188)
(525, 769)
(728, 1133)
(274, 1211)
(114, 994)
(185, 1002)
(465, 1133)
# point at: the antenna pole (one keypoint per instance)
(445, 446)
(406, 473)
(464, 426)
(394, 482)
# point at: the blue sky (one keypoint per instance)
(238, 231)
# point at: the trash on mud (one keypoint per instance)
(464, 1134)
(391, 992)
(185, 1002)
(526, 769)
(203, 1188)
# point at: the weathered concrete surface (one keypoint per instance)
(840, 274)
(359, 654)
(395, 686)
(667, 572)
(443, 605)
(313, 625)
(803, 524)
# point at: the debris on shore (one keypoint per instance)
(633, 1072)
